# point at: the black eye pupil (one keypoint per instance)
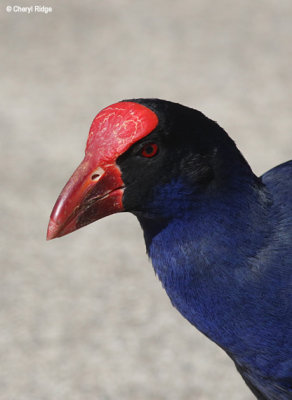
(149, 149)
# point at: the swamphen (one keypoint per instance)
(218, 236)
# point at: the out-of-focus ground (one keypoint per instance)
(84, 317)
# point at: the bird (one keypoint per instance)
(218, 236)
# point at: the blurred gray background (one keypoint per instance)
(84, 317)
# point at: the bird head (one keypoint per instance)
(147, 156)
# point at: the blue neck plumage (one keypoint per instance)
(208, 258)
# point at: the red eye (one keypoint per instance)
(149, 150)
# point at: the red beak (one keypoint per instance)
(90, 194)
(96, 188)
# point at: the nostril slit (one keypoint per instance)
(97, 174)
(94, 177)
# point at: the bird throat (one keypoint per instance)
(201, 260)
